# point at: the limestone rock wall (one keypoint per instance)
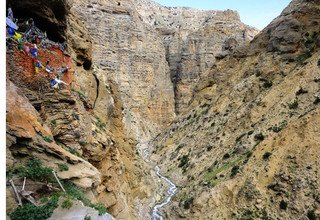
(130, 54)
(193, 38)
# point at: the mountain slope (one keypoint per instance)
(249, 146)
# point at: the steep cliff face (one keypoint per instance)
(248, 148)
(131, 55)
(86, 118)
(131, 68)
(193, 38)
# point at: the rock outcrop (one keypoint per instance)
(248, 147)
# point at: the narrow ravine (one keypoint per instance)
(155, 213)
(171, 192)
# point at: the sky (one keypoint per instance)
(256, 13)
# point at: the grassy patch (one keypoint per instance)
(211, 175)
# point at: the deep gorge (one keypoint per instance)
(189, 83)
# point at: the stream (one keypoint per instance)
(171, 192)
(155, 214)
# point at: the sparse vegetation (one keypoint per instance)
(259, 137)
(35, 171)
(317, 100)
(67, 203)
(301, 59)
(234, 171)
(266, 155)
(294, 104)
(30, 211)
(100, 208)
(101, 125)
(47, 139)
(63, 167)
(249, 191)
(184, 161)
(76, 193)
(311, 215)
(187, 203)
(209, 147)
(266, 83)
(283, 205)
(226, 156)
(83, 143)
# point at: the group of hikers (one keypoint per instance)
(30, 49)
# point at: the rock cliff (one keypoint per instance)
(133, 65)
(193, 38)
(248, 148)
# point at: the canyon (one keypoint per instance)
(228, 113)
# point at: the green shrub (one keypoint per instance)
(47, 139)
(311, 215)
(266, 155)
(303, 57)
(187, 204)
(63, 167)
(183, 161)
(74, 152)
(209, 147)
(75, 192)
(35, 171)
(234, 170)
(294, 104)
(259, 137)
(283, 205)
(266, 83)
(100, 208)
(87, 217)
(226, 156)
(32, 212)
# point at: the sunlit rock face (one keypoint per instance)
(193, 38)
